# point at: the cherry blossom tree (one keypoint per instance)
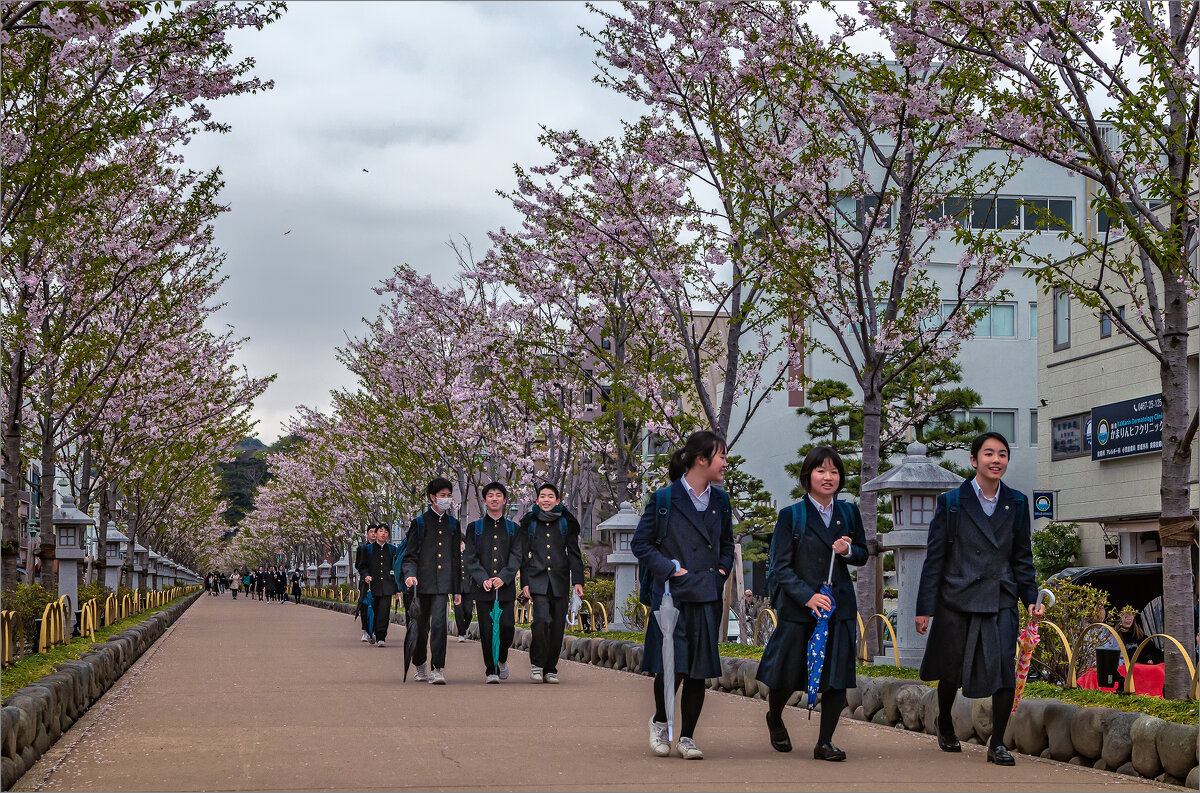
(95, 211)
(1109, 91)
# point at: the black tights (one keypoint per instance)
(832, 703)
(691, 702)
(1002, 702)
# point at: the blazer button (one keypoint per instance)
(710, 569)
(710, 546)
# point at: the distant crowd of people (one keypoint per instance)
(271, 585)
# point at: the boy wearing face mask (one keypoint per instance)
(433, 567)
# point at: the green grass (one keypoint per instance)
(35, 666)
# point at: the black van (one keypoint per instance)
(1133, 585)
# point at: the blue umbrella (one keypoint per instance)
(816, 644)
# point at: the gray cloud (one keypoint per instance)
(437, 101)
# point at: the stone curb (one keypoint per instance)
(1102, 738)
(36, 715)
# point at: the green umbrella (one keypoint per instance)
(496, 631)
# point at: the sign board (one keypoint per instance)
(1126, 428)
(1043, 504)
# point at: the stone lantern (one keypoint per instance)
(914, 486)
(153, 568)
(621, 527)
(116, 545)
(310, 575)
(141, 561)
(323, 573)
(342, 569)
(70, 526)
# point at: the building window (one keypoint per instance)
(1047, 214)
(853, 212)
(1106, 322)
(605, 344)
(1007, 212)
(998, 322)
(1070, 437)
(1062, 319)
(1033, 320)
(1001, 421)
(1033, 428)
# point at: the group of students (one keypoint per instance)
(979, 561)
(479, 562)
(270, 584)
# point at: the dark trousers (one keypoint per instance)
(383, 615)
(235, 594)
(507, 628)
(549, 624)
(462, 615)
(433, 615)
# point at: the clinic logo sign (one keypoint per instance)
(1122, 429)
(1043, 504)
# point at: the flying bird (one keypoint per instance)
(365, 170)
(289, 231)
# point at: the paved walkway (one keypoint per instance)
(254, 696)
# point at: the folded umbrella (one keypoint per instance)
(667, 616)
(1027, 641)
(412, 614)
(496, 630)
(818, 640)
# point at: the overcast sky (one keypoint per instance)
(436, 101)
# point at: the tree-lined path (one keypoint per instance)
(250, 696)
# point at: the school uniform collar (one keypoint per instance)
(993, 502)
(701, 500)
(826, 513)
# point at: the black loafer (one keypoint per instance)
(1000, 755)
(780, 741)
(827, 751)
(949, 744)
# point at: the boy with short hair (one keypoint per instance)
(491, 561)
(552, 567)
(433, 567)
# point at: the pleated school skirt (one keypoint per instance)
(784, 663)
(697, 634)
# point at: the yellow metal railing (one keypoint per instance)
(11, 636)
(765, 613)
(88, 618)
(51, 634)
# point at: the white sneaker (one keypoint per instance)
(551, 677)
(659, 743)
(461, 638)
(381, 643)
(436, 678)
(688, 750)
(535, 674)
(503, 670)
(421, 676)
(492, 679)
(366, 637)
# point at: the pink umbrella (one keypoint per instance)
(1027, 641)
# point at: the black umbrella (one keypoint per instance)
(412, 614)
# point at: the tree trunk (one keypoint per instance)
(10, 553)
(1177, 524)
(49, 577)
(867, 587)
